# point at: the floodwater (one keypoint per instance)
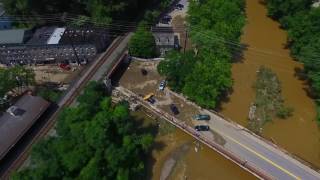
(205, 164)
(265, 45)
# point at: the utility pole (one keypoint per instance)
(185, 41)
(74, 50)
(63, 19)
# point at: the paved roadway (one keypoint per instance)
(254, 150)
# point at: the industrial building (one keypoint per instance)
(18, 119)
(51, 45)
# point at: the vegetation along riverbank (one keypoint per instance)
(204, 73)
(95, 140)
(268, 102)
(301, 20)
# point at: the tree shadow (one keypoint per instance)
(224, 98)
(238, 53)
(300, 74)
(153, 129)
(118, 73)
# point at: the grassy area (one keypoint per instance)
(268, 103)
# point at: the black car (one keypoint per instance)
(179, 6)
(202, 128)
(174, 109)
(151, 100)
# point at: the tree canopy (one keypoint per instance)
(15, 77)
(303, 25)
(101, 11)
(205, 76)
(95, 140)
(142, 43)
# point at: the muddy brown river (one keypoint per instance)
(203, 164)
(265, 42)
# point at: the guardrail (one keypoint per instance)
(259, 173)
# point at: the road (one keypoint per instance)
(255, 151)
(233, 141)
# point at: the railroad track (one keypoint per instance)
(66, 101)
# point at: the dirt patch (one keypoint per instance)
(172, 161)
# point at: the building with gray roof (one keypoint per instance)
(165, 38)
(18, 119)
(14, 36)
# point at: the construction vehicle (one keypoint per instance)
(149, 98)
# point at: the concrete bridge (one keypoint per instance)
(254, 154)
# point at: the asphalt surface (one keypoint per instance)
(251, 152)
(255, 151)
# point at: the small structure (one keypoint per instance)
(316, 4)
(165, 39)
(18, 119)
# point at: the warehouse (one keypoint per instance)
(48, 45)
(18, 119)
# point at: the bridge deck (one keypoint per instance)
(261, 158)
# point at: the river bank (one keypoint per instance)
(174, 157)
(265, 45)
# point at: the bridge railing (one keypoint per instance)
(200, 137)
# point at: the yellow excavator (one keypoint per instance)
(149, 98)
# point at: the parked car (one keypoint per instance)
(151, 100)
(65, 66)
(174, 109)
(200, 117)
(179, 6)
(202, 128)
(162, 85)
(166, 19)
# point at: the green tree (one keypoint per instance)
(95, 140)
(142, 43)
(205, 76)
(15, 77)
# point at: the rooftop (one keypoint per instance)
(42, 35)
(162, 29)
(14, 36)
(56, 36)
(18, 119)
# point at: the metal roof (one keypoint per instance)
(14, 36)
(14, 125)
(2, 11)
(162, 29)
(56, 36)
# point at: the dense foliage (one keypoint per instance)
(49, 94)
(205, 76)
(303, 25)
(94, 140)
(269, 102)
(101, 11)
(15, 77)
(142, 43)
